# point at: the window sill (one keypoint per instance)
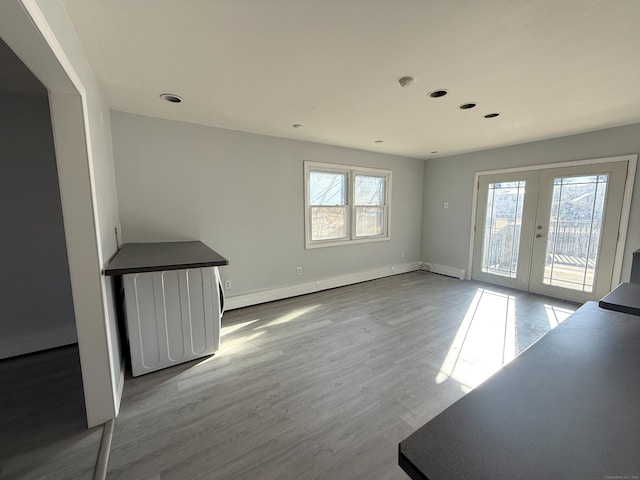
(336, 243)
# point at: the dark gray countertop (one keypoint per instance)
(624, 298)
(566, 408)
(152, 257)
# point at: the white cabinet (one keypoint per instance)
(172, 316)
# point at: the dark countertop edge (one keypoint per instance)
(123, 271)
(614, 307)
(144, 257)
(408, 466)
(623, 298)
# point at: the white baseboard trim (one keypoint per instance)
(444, 270)
(270, 295)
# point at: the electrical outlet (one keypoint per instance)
(446, 204)
(299, 271)
(227, 284)
(401, 254)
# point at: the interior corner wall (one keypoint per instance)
(446, 232)
(242, 194)
(36, 307)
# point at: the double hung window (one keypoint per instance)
(345, 204)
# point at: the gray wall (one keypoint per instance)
(36, 307)
(445, 233)
(242, 194)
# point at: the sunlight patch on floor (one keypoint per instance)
(236, 326)
(243, 342)
(485, 341)
(293, 315)
(234, 346)
(556, 315)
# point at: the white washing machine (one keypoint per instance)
(172, 316)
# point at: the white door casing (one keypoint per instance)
(530, 223)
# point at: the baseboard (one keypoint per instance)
(20, 346)
(443, 270)
(270, 295)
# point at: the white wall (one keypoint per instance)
(36, 307)
(445, 232)
(242, 194)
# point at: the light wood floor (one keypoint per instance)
(323, 386)
(43, 429)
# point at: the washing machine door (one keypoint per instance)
(220, 289)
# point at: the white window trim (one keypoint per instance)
(351, 171)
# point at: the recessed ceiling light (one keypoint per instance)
(297, 125)
(438, 93)
(170, 97)
(378, 141)
(406, 81)
(467, 106)
(491, 115)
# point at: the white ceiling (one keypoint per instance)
(550, 68)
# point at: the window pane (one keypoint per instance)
(328, 223)
(575, 227)
(369, 190)
(502, 228)
(369, 221)
(326, 188)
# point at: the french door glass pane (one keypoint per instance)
(328, 223)
(369, 221)
(502, 228)
(575, 229)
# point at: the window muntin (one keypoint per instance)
(345, 204)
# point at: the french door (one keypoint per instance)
(550, 231)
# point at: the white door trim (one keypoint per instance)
(624, 215)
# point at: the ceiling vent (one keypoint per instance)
(170, 97)
(438, 93)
